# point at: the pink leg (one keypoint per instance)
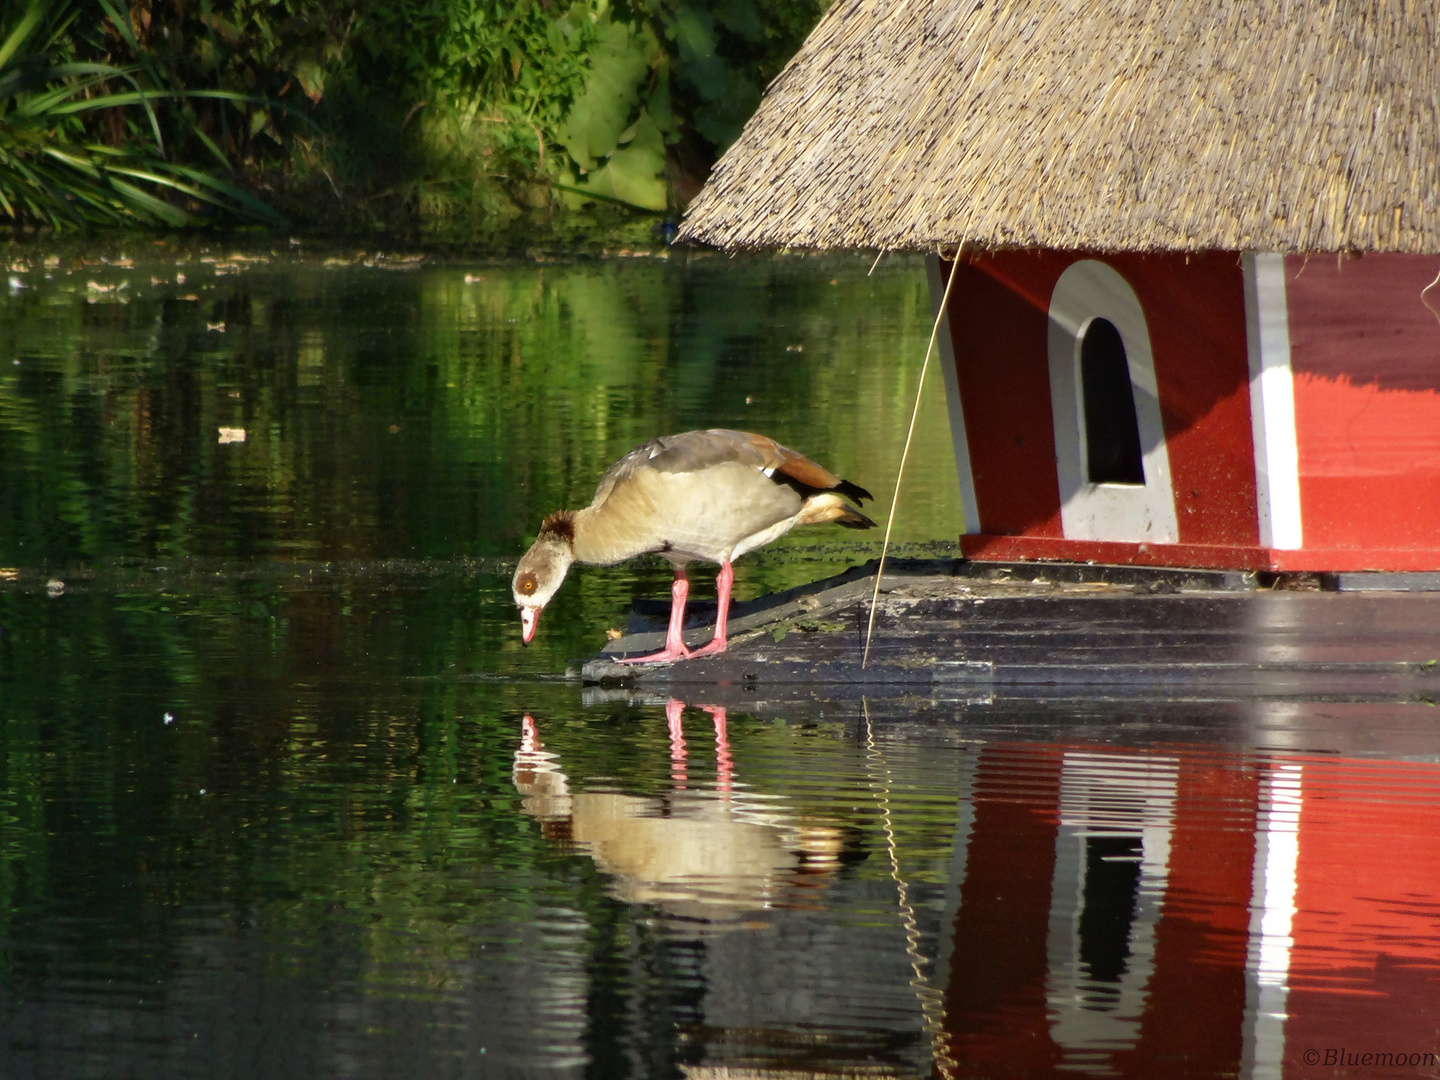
(674, 639)
(722, 611)
(674, 709)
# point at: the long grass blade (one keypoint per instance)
(23, 29)
(49, 174)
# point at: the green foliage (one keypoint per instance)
(622, 152)
(472, 93)
(402, 112)
(53, 173)
(669, 88)
(270, 61)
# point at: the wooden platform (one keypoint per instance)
(958, 630)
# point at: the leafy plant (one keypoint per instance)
(669, 88)
(249, 74)
(53, 172)
(391, 112)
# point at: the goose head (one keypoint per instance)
(541, 570)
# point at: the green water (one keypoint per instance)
(282, 795)
(260, 700)
(434, 414)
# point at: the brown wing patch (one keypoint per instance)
(798, 467)
(807, 477)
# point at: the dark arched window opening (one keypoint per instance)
(1112, 433)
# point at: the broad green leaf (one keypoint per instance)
(592, 128)
(312, 79)
(634, 174)
(694, 33)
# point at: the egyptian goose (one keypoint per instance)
(709, 495)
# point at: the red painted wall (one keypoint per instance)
(1365, 350)
(1195, 313)
(998, 326)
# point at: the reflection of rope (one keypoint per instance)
(932, 1002)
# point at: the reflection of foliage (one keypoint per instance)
(353, 775)
(516, 385)
(51, 173)
(426, 415)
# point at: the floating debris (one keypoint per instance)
(231, 435)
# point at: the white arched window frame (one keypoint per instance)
(1143, 513)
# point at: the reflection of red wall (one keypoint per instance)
(996, 1020)
(1195, 1011)
(995, 1015)
(1365, 350)
(1364, 970)
(1365, 967)
(1195, 313)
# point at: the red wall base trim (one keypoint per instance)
(1357, 559)
(1200, 556)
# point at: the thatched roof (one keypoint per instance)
(1270, 125)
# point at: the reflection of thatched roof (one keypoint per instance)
(1291, 125)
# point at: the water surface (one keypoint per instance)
(281, 794)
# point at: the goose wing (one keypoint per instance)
(695, 451)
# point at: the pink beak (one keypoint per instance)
(529, 623)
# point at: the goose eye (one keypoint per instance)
(527, 583)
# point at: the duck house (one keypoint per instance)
(1190, 262)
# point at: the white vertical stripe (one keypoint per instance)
(945, 345)
(1277, 855)
(1272, 401)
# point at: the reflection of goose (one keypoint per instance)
(707, 495)
(696, 853)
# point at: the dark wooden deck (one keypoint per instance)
(962, 631)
